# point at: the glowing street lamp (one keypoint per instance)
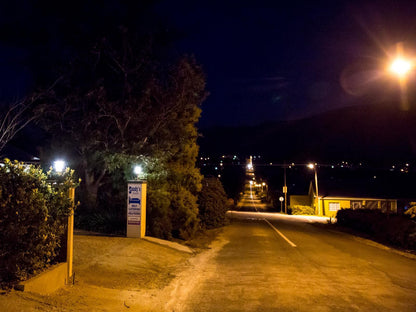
(313, 166)
(59, 165)
(137, 170)
(401, 67)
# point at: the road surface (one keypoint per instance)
(273, 262)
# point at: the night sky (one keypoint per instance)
(269, 60)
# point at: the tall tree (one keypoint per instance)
(118, 105)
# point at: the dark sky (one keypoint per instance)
(279, 60)
(269, 60)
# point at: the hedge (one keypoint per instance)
(33, 218)
(388, 228)
(302, 210)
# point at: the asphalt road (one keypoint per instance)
(270, 262)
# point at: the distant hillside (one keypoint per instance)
(378, 132)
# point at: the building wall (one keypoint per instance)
(329, 206)
(332, 205)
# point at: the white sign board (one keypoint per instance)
(136, 208)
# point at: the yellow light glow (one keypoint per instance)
(311, 166)
(400, 67)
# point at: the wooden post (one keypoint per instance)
(70, 237)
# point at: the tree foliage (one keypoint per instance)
(411, 212)
(119, 105)
(33, 215)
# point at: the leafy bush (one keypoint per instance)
(212, 204)
(393, 229)
(411, 212)
(302, 210)
(33, 215)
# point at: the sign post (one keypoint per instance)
(281, 199)
(136, 208)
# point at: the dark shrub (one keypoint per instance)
(212, 204)
(389, 228)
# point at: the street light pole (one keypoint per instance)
(317, 193)
(314, 166)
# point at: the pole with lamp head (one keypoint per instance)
(401, 67)
(314, 166)
(59, 167)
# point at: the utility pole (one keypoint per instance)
(285, 186)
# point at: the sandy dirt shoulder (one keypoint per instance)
(120, 274)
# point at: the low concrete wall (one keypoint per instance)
(47, 282)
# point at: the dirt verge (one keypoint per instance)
(115, 274)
